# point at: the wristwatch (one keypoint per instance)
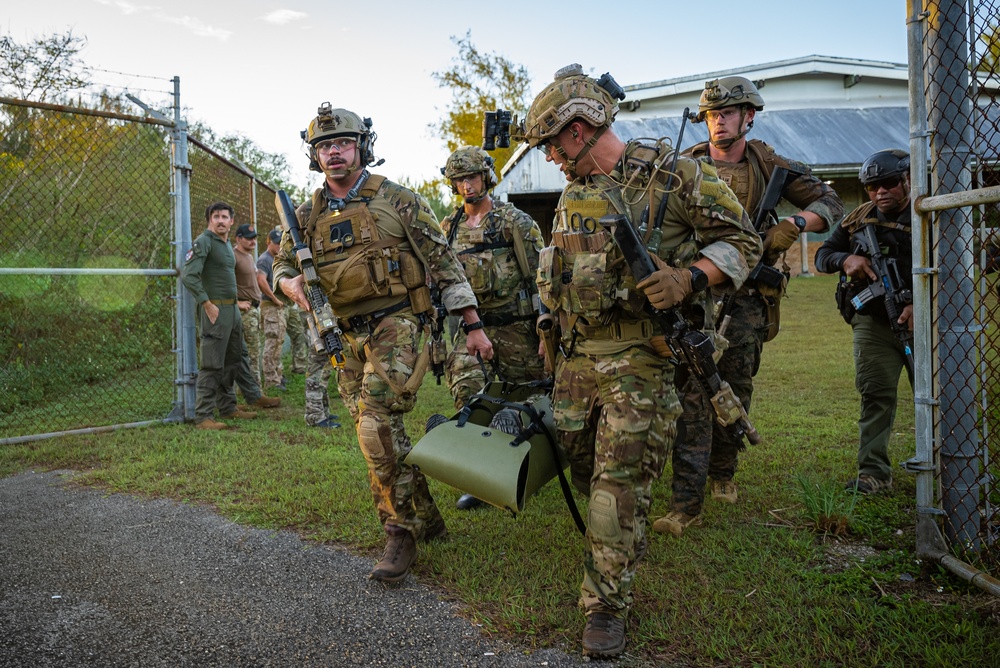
(800, 222)
(699, 279)
(471, 328)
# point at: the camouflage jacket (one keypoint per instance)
(582, 273)
(489, 255)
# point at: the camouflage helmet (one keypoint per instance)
(470, 160)
(330, 122)
(883, 165)
(728, 92)
(572, 95)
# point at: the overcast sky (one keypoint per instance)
(261, 67)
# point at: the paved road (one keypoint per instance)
(90, 579)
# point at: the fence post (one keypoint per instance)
(186, 344)
(950, 118)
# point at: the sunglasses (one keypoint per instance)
(888, 184)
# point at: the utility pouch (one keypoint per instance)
(411, 272)
(844, 294)
(420, 299)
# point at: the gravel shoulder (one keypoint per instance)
(92, 579)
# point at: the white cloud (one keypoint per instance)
(282, 16)
(196, 26)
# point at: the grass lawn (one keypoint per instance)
(757, 585)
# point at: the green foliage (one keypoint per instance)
(43, 69)
(827, 507)
(479, 82)
(80, 332)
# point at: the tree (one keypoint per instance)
(479, 82)
(43, 69)
(269, 168)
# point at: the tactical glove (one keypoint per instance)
(781, 237)
(666, 286)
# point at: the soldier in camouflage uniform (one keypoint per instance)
(706, 449)
(318, 372)
(614, 401)
(498, 245)
(375, 244)
(272, 314)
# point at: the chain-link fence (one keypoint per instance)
(955, 144)
(94, 215)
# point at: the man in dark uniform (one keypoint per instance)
(375, 244)
(209, 273)
(879, 356)
(750, 316)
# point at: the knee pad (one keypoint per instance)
(602, 517)
(374, 437)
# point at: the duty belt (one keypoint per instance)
(223, 302)
(369, 321)
(504, 319)
(617, 331)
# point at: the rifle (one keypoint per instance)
(687, 345)
(439, 350)
(323, 329)
(763, 273)
(890, 287)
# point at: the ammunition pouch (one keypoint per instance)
(499, 468)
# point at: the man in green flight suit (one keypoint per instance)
(209, 273)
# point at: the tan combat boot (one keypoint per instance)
(676, 522)
(400, 553)
(266, 402)
(604, 635)
(211, 425)
(724, 490)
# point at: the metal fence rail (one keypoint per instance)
(955, 144)
(96, 205)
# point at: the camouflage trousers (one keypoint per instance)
(297, 338)
(616, 419)
(252, 335)
(318, 370)
(515, 348)
(400, 492)
(273, 326)
(704, 449)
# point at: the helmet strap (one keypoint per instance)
(572, 163)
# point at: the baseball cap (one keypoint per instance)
(246, 232)
(274, 236)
